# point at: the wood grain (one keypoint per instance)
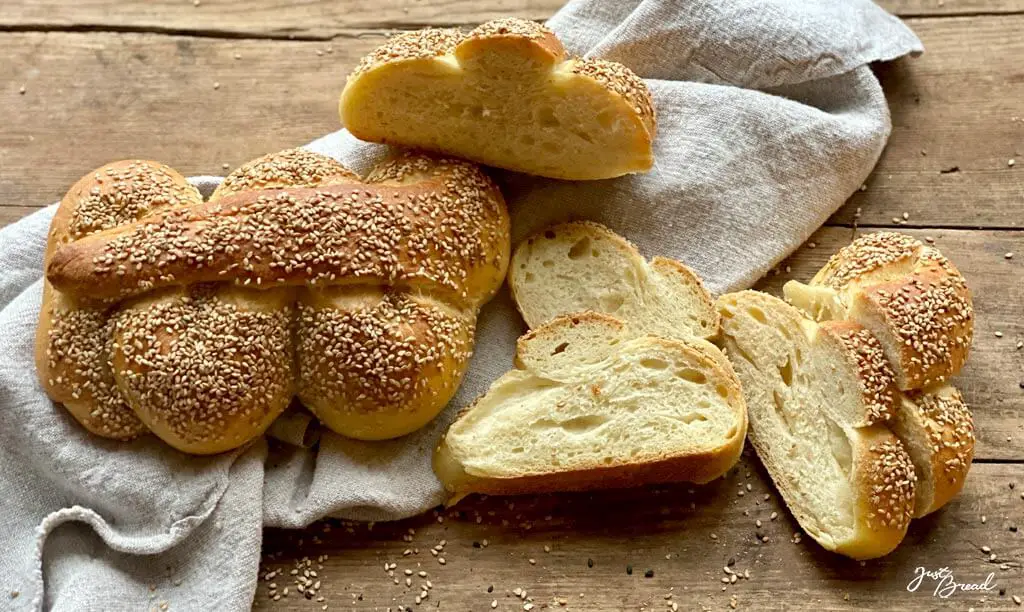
(323, 19)
(955, 107)
(93, 98)
(667, 530)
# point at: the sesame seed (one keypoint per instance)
(340, 228)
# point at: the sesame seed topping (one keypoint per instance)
(949, 426)
(511, 26)
(875, 375)
(892, 483)
(429, 42)
(621, 80)
(392, 271)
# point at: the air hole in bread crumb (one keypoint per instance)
(690, 417)
(550, 235)
(518, 449)
(606, 118)
(582, 424)
(529, 277)
(546, 117)
(607, 460)
(547, 263)
(695, 376)
(786, 372)
(583, 136)
(579, 249)
(654, 364)
(561, 347)
(758, 314)
(613, 302)
(722, 390)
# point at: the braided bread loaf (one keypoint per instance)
(295, 278)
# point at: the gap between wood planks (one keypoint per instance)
(365, 30)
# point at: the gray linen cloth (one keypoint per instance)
(769, 118)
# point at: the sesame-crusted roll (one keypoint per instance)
(295, 278)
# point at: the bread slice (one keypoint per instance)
(937, 430)
(590, 406)
(909, 295)
(581, 266)
(505, 95)
(817, 396)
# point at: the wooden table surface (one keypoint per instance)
(205, 85)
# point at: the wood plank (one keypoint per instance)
(92, 98)
(991, 381)
(327, 18)
(956, 106)
(665, 529)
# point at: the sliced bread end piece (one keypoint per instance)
(581, 266)
(652, 410)
(850, 486)
(937, 429)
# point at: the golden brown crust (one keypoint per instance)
(288, 168)
(440, 230)
(73, 340)
(530, 36)
(206, 369)
(617, 78)
(426, 43)
(886, 488)
(865, 355)
(940, 425)
(931, 317)
(696, 468)
(72, 353)
(912, 298)
(882, 481)
(404, 356)
(208, 366)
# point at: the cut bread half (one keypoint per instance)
(589, 406)
(504, 95)
(581, 266)
(817, 396)
(907, 294)
(937, 430)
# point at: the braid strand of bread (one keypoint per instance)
(299, 279)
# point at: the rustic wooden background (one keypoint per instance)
(204, 86)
